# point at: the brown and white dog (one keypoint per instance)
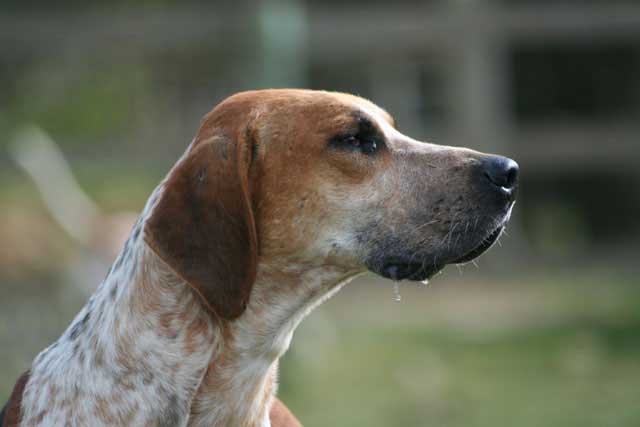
(282, 198)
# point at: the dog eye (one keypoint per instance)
(366, 145)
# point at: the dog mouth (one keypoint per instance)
(397, 269)
(484, 246)
(409, 271)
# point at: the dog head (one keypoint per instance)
(295, 177)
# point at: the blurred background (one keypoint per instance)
(544, 330)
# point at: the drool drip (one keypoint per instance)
(396, 291)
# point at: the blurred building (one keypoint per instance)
(554, 84)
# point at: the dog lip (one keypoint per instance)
(401, 270)
(484, 245)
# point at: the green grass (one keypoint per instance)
(564, 366)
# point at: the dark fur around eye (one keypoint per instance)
(366, 138)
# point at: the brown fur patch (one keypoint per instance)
(195, 330)
(281, 416)
(14, 406)
(203, 225)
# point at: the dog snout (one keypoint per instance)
(502, 174)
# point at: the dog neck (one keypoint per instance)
(242, 376)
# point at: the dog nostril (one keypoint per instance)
(512, 175)
(501, 171)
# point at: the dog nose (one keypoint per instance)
(501, 172)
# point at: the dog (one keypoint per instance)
(282, 198)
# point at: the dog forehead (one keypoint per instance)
(372, 110)
(315, 104)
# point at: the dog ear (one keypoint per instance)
(203, 225)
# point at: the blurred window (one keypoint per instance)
(432, 86)
(351, 77)
(575, 81)
(558, 209)
(568, 2)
